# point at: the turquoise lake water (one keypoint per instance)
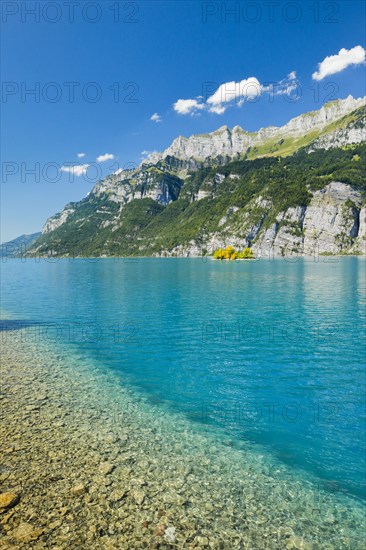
(268, 352)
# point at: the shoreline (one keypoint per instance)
(270, 258)
(94, 464)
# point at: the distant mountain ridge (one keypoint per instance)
(236, 142)
(13, 248)
(233, 187)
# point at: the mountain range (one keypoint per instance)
(297, 189)
(20, 245)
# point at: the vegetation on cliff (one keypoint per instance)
(215, 201)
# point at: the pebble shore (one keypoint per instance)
(88, 463)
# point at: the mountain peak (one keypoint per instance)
(225, 142)
(223, 128)
(115, 204)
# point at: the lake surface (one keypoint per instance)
(269, 353)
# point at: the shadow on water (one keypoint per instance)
(18, 324)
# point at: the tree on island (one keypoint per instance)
(229, 253)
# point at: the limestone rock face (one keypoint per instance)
(58, 219)
(333, 222)
(231, 210)
(263, 247)
(360, 241)
(233, 142)
(196, 170)
(139, 184)
(332, 219)
(224, 141)
(284, 235)
(316, 120)
(122, 188)
(339, 138)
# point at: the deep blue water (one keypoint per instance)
(272, 352)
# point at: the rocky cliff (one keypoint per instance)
(298, 189)
(334, 222)
(124, 187)
(237, 142)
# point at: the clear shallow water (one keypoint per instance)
(269, 352)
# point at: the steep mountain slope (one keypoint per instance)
(13, 248)
(299, 193)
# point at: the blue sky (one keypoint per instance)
(153, 54)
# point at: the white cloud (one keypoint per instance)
(146, 155)
(76, 170)
(336, 63)
(81, 155)
(187, 106)
(155, 117)
(217, 109)
(283, 87)
(287, 89)
(103, 158)
(246, 89)
(230, 93)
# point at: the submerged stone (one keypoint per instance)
(78, 490)
(138, 496)
(169, 534)
(159, 530)
(117, 495)
(106, 468)
(8, 500)
(25, 532)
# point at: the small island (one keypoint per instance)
(229, 253)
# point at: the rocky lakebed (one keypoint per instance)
(88, 463)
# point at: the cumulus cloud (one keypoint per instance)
(103, 158)
(218, 109)
(236, 93)
(333, 64)
(81, 155)
(76, 169)
(229, 91)
(155, 117)
(187, 106)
